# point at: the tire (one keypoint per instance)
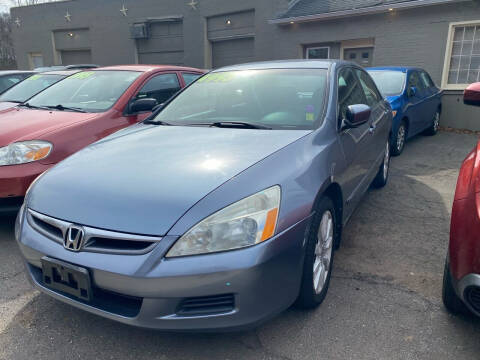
(433, 129)
(382, 176)
(323, 230)
(400, 139)
(450, 299)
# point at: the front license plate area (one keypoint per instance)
(67, 278)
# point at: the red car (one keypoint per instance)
(461, 280)
(74, 113)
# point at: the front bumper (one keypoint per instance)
(15, 179)
(148, 290)
(468, 290)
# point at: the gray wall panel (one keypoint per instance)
(409, 37)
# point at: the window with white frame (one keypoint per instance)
(317, 52)
(462, 63)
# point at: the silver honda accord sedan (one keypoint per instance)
(221, 210)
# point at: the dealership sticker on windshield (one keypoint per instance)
(82, 75)
(310, 114)
(217, 78)
(34, 77)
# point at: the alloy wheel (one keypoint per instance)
(401, 138)
(436, 121)
(386, 161)
(323, 252)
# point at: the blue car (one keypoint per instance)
(221, 210)
(415, 100)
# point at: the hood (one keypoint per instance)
(6, 105)
(143, 180)
(27, 124)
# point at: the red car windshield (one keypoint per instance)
(89, 91)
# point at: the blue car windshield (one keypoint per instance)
(274, 98)
(389, 83)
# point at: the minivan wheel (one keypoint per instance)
(450, 299)
(433, 129)
(400, 139)
(317, 268)
(382, 176)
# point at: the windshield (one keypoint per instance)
(389, 82)
(276, 98)
(90, 91)
(30, 87)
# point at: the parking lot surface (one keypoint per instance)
(384, 300)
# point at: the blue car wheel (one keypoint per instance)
(399, 140)
(433, 129)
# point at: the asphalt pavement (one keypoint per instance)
(384, 300)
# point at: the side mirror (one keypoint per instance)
(356, 115)
(412, 91)
(142, 105)
(471, 96)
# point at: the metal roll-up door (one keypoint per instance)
(164, 45)
(233, 51)
(70, 57)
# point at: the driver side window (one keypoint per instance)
(161, 88)
(350, 92)
(414, 81)
(372, 95)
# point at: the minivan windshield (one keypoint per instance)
(89, 91)
(30, 87)
(389, 83)
(273, 98)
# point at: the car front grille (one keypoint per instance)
(95, 240)
(207, 305)
(472, 296)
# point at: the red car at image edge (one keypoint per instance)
(74, 113)
(461, 280)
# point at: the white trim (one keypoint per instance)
(448, 55)
(364, 11)
(317, 48)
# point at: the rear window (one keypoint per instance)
(389, 82)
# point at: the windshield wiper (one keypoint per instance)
(229, 124)
(63, 108)
(27, 105)
(157, 122)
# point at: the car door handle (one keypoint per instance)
(372, 129)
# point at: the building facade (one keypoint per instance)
(442, 36)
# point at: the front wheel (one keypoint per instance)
(433, 129)
(382, 176)
(317, 268)
(400, 139)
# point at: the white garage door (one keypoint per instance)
(230, 52)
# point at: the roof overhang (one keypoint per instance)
(363, 11)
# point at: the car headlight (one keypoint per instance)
(245, 223)
(24, 152)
